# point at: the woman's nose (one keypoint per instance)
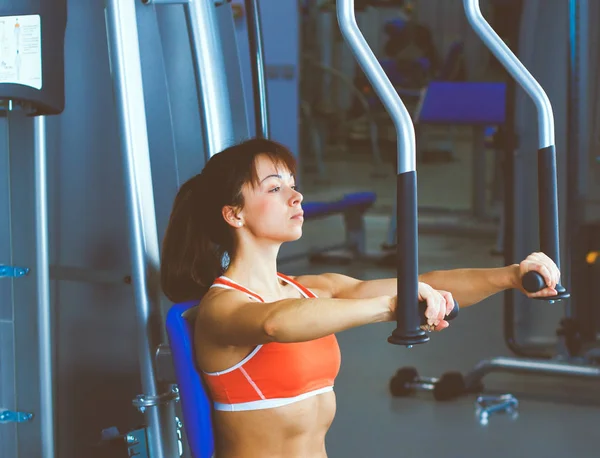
(296, 197)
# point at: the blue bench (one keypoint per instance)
(352, 207)
(463, 103)
(481, 105)
(196, 405)
(355, 202)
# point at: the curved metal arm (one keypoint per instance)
(514, 66)
(547, 167)
(408, 331)
(381, 84)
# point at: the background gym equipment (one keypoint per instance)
(449, 386)
(485, 406)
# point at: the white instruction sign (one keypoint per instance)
(21, 50)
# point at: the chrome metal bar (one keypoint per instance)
(45, 342)
(519, 72)
(381, 85)
(528, 366)
(123, 41)
(211, 79)
(259, 83)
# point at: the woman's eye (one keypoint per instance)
(275, 189)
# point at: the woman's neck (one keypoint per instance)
(256, 270)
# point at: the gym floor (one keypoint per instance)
(553, 412)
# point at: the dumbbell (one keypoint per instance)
(449, 386)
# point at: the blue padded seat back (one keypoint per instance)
(195, 403)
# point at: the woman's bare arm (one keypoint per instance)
(232, 319)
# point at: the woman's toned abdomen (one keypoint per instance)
(295, 430)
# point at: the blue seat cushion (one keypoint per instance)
(195, 403)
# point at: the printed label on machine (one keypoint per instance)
(21, 50)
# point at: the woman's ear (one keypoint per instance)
(232, 216)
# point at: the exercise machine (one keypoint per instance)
(32, 85)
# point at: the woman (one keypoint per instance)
(265, 342)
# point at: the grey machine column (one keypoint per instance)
(157, 402)
(209, 64)
(42, 265)
(209, 67)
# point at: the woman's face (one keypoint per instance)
(272, 209)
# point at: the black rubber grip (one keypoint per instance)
(548, 203)
(533, 282)
(423, 306)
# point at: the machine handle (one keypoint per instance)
(533, 282)
(423, 306)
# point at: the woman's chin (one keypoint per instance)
(295, 235)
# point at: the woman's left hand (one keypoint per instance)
(541, 263)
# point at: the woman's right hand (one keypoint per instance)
(439, 304)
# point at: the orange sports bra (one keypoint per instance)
(275, 374)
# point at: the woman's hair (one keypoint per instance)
(197, 236)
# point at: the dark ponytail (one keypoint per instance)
(198, 239)
(188, 257)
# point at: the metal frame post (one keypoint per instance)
(257, 60)
(45, 343)
(123, 42)
(211, 80)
